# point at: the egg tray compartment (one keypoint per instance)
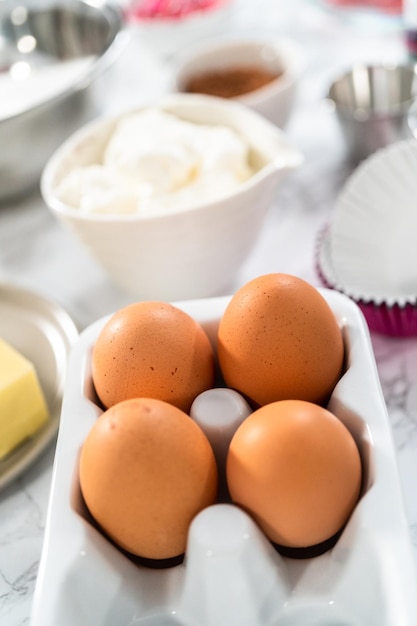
(231, 574)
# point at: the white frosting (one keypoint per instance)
(155, 161)
(97, 189)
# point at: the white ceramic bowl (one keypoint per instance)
(282, 56)
(184, 253)
(167, 34)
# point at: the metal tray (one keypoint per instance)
(44, 333)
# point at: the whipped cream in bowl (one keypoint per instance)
(155, 161)
(169, 199)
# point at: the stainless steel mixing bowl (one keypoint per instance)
(372, 103)
(51, 63)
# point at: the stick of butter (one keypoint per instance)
(23, 408)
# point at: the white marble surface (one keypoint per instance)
(37, 253)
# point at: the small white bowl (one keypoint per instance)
(168, 34)
(282, 57)
(181, 253)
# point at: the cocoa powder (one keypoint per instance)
(230, 83)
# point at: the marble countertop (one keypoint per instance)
(36, 252)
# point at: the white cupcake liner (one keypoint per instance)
(369, 250)
(374, 227)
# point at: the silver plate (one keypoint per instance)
(44, 333)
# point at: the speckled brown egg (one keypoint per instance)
(146, 469)
(279, 339)
(152, 349)
(295, 467)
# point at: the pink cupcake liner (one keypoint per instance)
(387, 317)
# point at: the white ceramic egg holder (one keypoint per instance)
(232, 575)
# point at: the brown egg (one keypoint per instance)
(155, 350)
(296, 469)
(146, 469)
(279, 339)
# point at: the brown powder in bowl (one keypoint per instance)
(230, 83)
